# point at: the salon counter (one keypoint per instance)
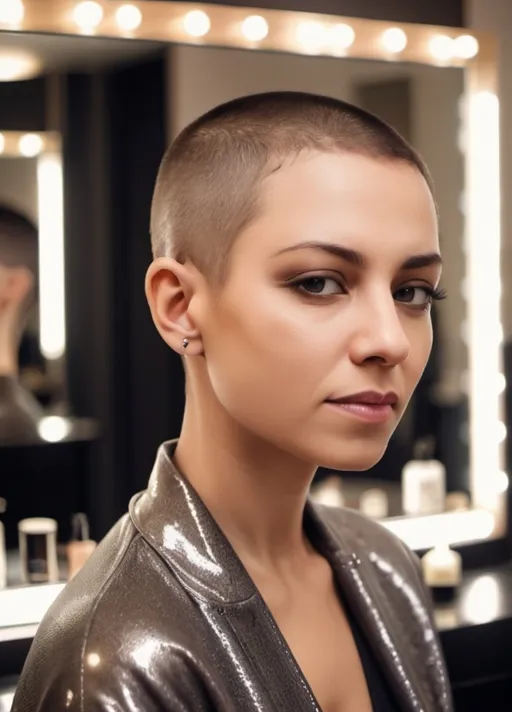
(476, 632)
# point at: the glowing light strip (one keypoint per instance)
(483, 315)
(51, 256)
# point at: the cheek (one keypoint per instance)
(263, 361)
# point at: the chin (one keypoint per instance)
(355, 456)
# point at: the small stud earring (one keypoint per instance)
(185, 343)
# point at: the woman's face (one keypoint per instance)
(328, 297)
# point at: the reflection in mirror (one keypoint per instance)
(33, 387)
(48, 455)
(20, 357)
(28, 383)
(428, 455)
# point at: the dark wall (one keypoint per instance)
(22, 105)
(433, 12)
(153, 382)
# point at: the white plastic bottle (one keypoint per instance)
(442, 572)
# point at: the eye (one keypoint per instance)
(415, 296)
(321, 286)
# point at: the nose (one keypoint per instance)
(380, 335)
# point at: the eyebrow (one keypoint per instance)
(359, 260)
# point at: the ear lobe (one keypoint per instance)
(169, 288)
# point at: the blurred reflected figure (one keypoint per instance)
(19, 410)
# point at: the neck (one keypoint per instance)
(255, 491)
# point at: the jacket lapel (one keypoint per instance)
(379, 606)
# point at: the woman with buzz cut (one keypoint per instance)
(296, 259)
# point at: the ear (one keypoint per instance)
(170, 287)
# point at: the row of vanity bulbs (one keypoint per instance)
(311, 35)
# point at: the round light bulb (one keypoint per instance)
(255, 28)
(441, 47)
(501, 431)
(197, 23)
(11, 12)
(30, 145)
(88, 15)
(53, 428)
(2, 143)
(501, 382)
(501, 481)
(16, 66)
(128, 17)
(312, 36)
(394, 40)
(465, 47)
(341, 36)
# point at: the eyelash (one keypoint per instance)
(433, 294)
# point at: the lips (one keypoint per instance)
(368, 398)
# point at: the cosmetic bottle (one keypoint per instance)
(38, 550)
(3, 553)
(81, 545)
(423, 481)
(442, 572)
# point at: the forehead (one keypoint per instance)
(365, 203)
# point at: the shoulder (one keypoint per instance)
(103, 637)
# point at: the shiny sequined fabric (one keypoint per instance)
(164, 617)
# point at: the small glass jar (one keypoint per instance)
(38, 550)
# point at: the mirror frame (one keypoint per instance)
(335, 36)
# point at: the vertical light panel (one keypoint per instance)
(485, 332)
(51, 256)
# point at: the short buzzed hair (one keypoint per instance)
(208, 185)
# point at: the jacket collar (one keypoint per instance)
(173, 519)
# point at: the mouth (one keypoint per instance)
(369, 406)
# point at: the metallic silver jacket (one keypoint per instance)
(164, 617)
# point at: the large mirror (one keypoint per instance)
(32, 335)
(442, 477)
